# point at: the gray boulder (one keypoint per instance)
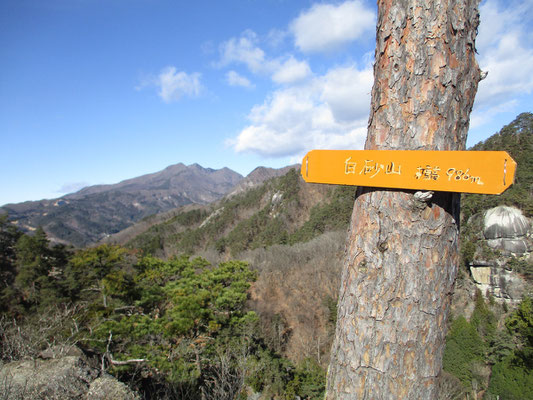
(514, 246)
(61, 373)
(60, 351)
(107, 387)
(506, 229)
(60, 378)
(505, 222)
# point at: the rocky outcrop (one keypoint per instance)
(501, 283)
(506, 229)
(63, 378)
(506, 233)
(106, 387)
(62, 374)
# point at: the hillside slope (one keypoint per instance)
(283, 210)
(254, 179)
(94, 212)
(517, 139)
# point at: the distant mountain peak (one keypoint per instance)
(259, 175)
(93, 212)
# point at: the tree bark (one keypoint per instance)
(402, 252)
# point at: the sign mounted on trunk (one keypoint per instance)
(488, 172)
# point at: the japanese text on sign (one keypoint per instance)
(428, 172)
(371, 168)
(487, 172)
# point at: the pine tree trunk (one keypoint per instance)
(402, 252)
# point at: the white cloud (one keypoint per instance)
(481, 117)
(318, 114)
(347, 91)
(235, 79)
(276, 37)
(243, 50)
(510, 66)
(173, 84)
(291, 71)
(326, 26)
(506, 52)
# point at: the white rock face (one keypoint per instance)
(481, 275)
(504, 285)
(506, 228)
(505, 222)
(277, 197)
(515, 246)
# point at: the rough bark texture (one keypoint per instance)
(402, 253)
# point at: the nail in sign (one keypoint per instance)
(488, 172)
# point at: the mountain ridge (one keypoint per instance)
(86, 216)
(95, 212)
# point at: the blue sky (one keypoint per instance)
(97, 91)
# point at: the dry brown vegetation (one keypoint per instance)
(296, 293)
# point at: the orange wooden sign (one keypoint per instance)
(489, 172)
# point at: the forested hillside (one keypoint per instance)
(517, 139)
(284, 210)
(172, 329)
(253, 317)
(489, 346)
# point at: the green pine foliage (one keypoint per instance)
(38, 267)
(510, 381)
(520, 324)
(471, 345)
(179, 328)
(184, 308)
(482, 318)
(9, 235)
(512, 374)
(308, 382)
(517, 139)
(464, 348)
